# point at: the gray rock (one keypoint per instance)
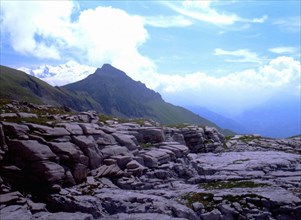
(20, 131)
(140, 216)
(73, 128)
(91, 129)
(9, 198)
(227, 211)
(89, 148)
(106, 139)
(15, 212)
(122, 160)
(150, 135)
(48, 131)
(36, 207)
(3, 145)
(31, 150)
(194, 139)
(161, 156)
(150, 161)
(197, 206)
(72, 151)
(80, 173)
(115, 150)
(135, 168)
(8, 115)
(27, 115)
(47, 171)
(111, 171)
(213, 215)
(126, 140)
(62, 216)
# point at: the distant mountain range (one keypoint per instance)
(220, 120)
(109, 91)
(279, 117)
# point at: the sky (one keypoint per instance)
(226, 55)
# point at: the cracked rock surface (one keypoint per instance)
(77, 166)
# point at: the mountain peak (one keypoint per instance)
(109, 70)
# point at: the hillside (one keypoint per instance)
(121, 96)
(15, 84)
(108, 90)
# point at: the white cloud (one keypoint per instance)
(290, 24)
(233, 92)
(30, 30)
(168, 21)
(203, 11)
(44, 29)
(62, 74)
(283, 50)
(243, 55)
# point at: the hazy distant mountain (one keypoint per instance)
(108, 90)
(278, 117)
(220, 120)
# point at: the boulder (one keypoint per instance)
(72, 151)
(31, 150)
(62, 216)
(194, 139)
(213, 215)
(13, 212)
(161, 156)
(16, 130)
(27, 115)
(115, 150)
(111, 171)
(3, 145)
(73, 128)
(91, 129)
(80, 172)
(126, 140)
(89, 148)
(135, 168)
(150, 135)
(47, 171)
(10, 198)
(105, 139)
(48, 131)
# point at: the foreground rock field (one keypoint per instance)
(57, 164)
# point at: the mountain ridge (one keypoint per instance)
(108, 90)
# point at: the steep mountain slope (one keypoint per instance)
(218, 119)
(108, 90)
(119, 95)
(15, 84)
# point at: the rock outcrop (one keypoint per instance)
(78, 167)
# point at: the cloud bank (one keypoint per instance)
(109, 35)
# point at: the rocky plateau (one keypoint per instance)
(58, 164)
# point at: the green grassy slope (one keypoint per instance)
(15, 84)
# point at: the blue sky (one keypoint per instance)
(226, 55)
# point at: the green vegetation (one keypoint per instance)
(146, 145)
(240, 161)
(228, 137)
(205, 198)
(248, 138)
(231, 184)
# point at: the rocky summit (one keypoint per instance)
(58, 164)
